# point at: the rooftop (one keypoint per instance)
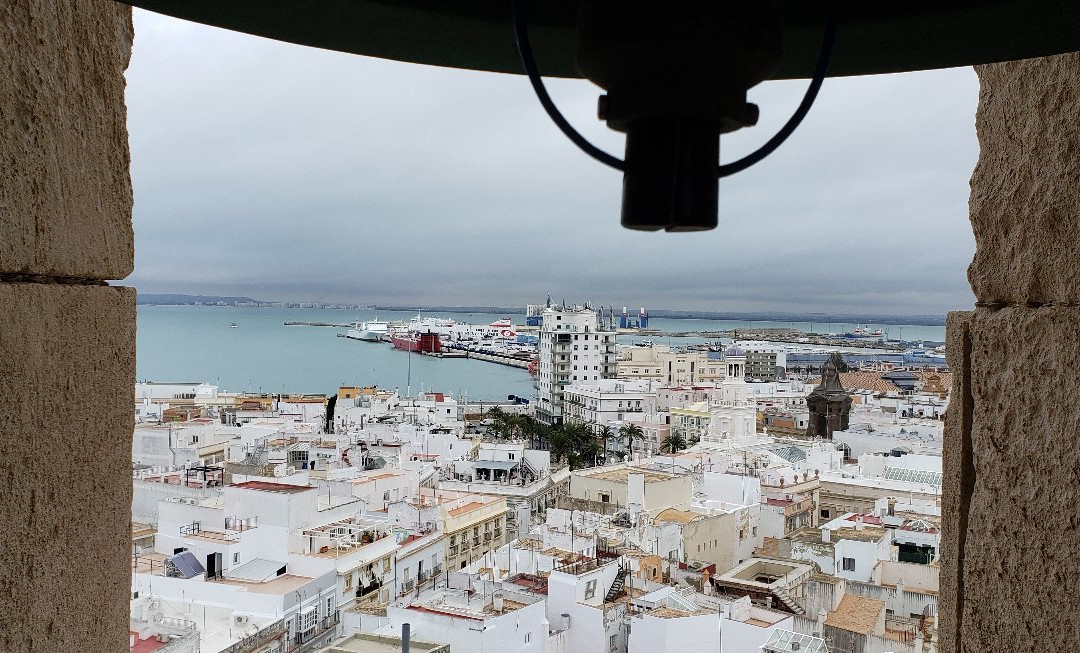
(856, 614)
(621, 474)
(677, 516)
(468, 507)
(372, 643)
(462, 604)
(267, 486)
(867, 534)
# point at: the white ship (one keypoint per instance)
(370, 331)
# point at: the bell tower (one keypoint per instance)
(829, 405)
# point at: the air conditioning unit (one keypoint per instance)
(155, 603)
(241, 619)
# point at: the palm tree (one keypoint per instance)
(605, 435)
(559, 443)
(498, 418)
(514, 424)
(673, 443)
(531, 429)
(631, 432)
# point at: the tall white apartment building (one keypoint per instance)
(573, 348)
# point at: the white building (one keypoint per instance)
(673, 623)
(732, 410)
(573, 347)
(577, 604)
(848, 547)
(499, 619)
(660, 364)
(524, 477)
(608, 401)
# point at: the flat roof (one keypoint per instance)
(371, 643)
(267, 486)
(622, 474)
(677, 516)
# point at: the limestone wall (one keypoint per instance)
(1011, 527)
(67, 349)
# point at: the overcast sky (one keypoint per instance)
(282, 172)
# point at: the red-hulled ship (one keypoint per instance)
(424, 343)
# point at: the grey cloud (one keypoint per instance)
(283, 172)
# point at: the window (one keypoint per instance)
(612, 643)
(528, 637)
(825, 513)
(348, 582)
(590, 589)
(236, 558)
(849, 564)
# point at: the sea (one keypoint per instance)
(191, 343)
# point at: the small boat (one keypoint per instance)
(232, 325)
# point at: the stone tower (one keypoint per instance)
(829, 405)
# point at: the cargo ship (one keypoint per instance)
(423, 343)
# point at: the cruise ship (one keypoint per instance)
(370, 331)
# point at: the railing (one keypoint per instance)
(194, 528)
(262, 637)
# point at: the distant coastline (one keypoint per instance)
(179, 299)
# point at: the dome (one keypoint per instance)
(734, 350)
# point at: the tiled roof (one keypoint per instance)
(871, 381)
(856, 614)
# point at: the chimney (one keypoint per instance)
(826, 535)
(858, 522)
(892, 507)
(497, 602)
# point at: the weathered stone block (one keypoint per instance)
(1025, 191)
(67, 371)
(959, 477)
(1021, 526)
(65, 191)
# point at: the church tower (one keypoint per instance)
(829, 405)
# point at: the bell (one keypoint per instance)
(675, 72)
